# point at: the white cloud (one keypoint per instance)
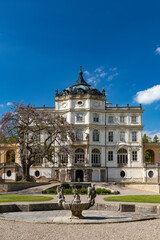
(100, 74)
(1, 105)
(149, 95)
(86, 73)
(113, 69)
(103, 74)
(157, 51)
(99, 69)
(9, 103)
(152, 133)
(110, 78)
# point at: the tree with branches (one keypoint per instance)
(40, 134)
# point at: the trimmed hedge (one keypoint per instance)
(82, 191)
(102, 191)
(65, 185)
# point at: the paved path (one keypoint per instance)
(99, 198)
(148, 230)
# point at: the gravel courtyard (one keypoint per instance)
(148, 230)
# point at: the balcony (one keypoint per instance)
(79, 163)
(79, 143)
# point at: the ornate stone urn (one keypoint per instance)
(76, 206)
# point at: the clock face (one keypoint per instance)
(64, 104)
(96, 103)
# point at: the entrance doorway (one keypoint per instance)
(79, 176)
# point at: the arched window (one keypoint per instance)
(79, 135)
(122, 156)
(79, 155)
(96, 160)
(95, 135)
(10, 156)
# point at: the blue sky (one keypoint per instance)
(43, 43)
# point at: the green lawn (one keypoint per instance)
(23, 198)
(135, 198)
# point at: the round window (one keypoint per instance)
(9, 173)
(80, 102)
(122, 174)
(37, 173)
(150, 174)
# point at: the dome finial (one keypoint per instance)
(80, 68)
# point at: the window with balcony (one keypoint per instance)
(79, 135)
(110, 136)
(134, 155)
(95, 135)
(122, 156)
(110, 119)
(134, 119)
(95, 117)
(96, 161)
(122, 119)
(79, 155)
(122, 136)
(79, 117)
(110, 155)
(134, 136)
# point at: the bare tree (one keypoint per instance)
(39, 133)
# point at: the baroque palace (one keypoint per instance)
(108, 145)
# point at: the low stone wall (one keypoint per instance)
(9, 187)
(138, 208)
(145, 187)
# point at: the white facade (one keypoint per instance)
(108, 145)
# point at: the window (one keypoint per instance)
(64, 158)
(9, 173)
(110, 119)
(95, 135)
(110, 136)
(79, 155)
(122, 136)
(95, 157)
(134, 155)
(37, 173)
(133, 119)
(38, 161)
(49, 137)
(134, 136)
(150, 174)
(110, 155)
(122, 156)
(79, 117)
(37, 137)
(79, 135)
(95, 117)
(122, 174)
(122, 119)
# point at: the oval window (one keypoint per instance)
(37, 173)
(122, 174)
(9, 173)
(150, 174)
(80, 102)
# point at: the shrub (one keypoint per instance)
(68, 191)
(103, 191)
(50, 191)
(65, 185)
(83, 191)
